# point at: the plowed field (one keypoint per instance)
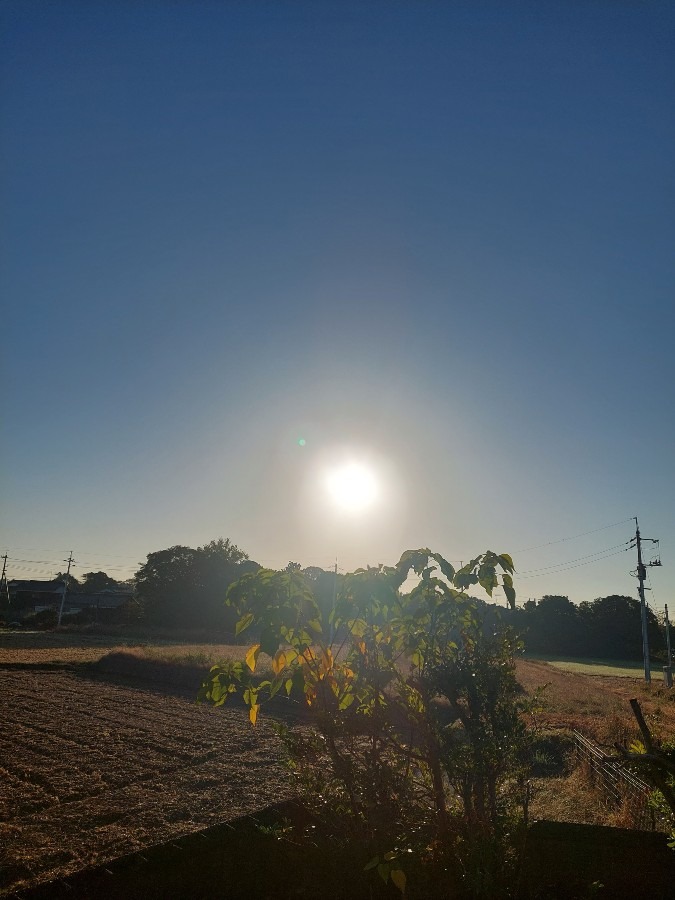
(91, 770)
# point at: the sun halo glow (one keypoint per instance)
(352, 487)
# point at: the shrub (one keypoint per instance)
(416, 711)
(43, 620)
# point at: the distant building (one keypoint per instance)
(34, 596)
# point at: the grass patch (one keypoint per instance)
(184, 666)
(68, 648)
(613, 667)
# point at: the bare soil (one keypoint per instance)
(91, 770)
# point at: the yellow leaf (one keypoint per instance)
(252, 656)
(327, 659)
(253, 713)
(399, 879)
(279, 662)
(362, 647)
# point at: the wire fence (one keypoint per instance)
(620, 787)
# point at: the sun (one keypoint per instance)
(353, 487)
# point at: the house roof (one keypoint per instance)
(34, 587)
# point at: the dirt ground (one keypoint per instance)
(93, 768)
(598, 705)
(90, 770)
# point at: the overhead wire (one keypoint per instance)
(573, 537)
(590, 562)
(553, 569)
(570, 561)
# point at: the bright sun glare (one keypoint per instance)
(353, 487)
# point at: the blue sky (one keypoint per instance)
(434, 237)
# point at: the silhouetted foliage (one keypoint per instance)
(614, 627)
(609, 627)
(93, 582)
(71, 580)
(185, 587)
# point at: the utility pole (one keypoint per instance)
(641, 573)
(668, 669)
(3, 577)
(70, 561)
(332, 617)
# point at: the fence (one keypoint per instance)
(620, 786)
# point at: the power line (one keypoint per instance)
(579, 566)
(133, 556)
(570, 561)
(573, 537)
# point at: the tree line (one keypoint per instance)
(608, 627)
(185, 587)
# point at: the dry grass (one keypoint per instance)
(598, 705)
(62, 648)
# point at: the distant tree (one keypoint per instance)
(614, 627)
(553, 625)
(181, 586)
(609, 627)
(72, 582)
(93, 582)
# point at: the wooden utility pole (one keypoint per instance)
(641, 573)
(668, 669)
(668, 635)
(70, 561)
(3, 578)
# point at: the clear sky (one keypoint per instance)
(434, 238)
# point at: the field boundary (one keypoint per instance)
(620, 786)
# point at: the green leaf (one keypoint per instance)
(445, 566)
(506, 562)
(510, 595)
(346, 701)
(399, 879)
(371, 865)
(243, 623)
(464, 580)
(487, 578)
(383, 872)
